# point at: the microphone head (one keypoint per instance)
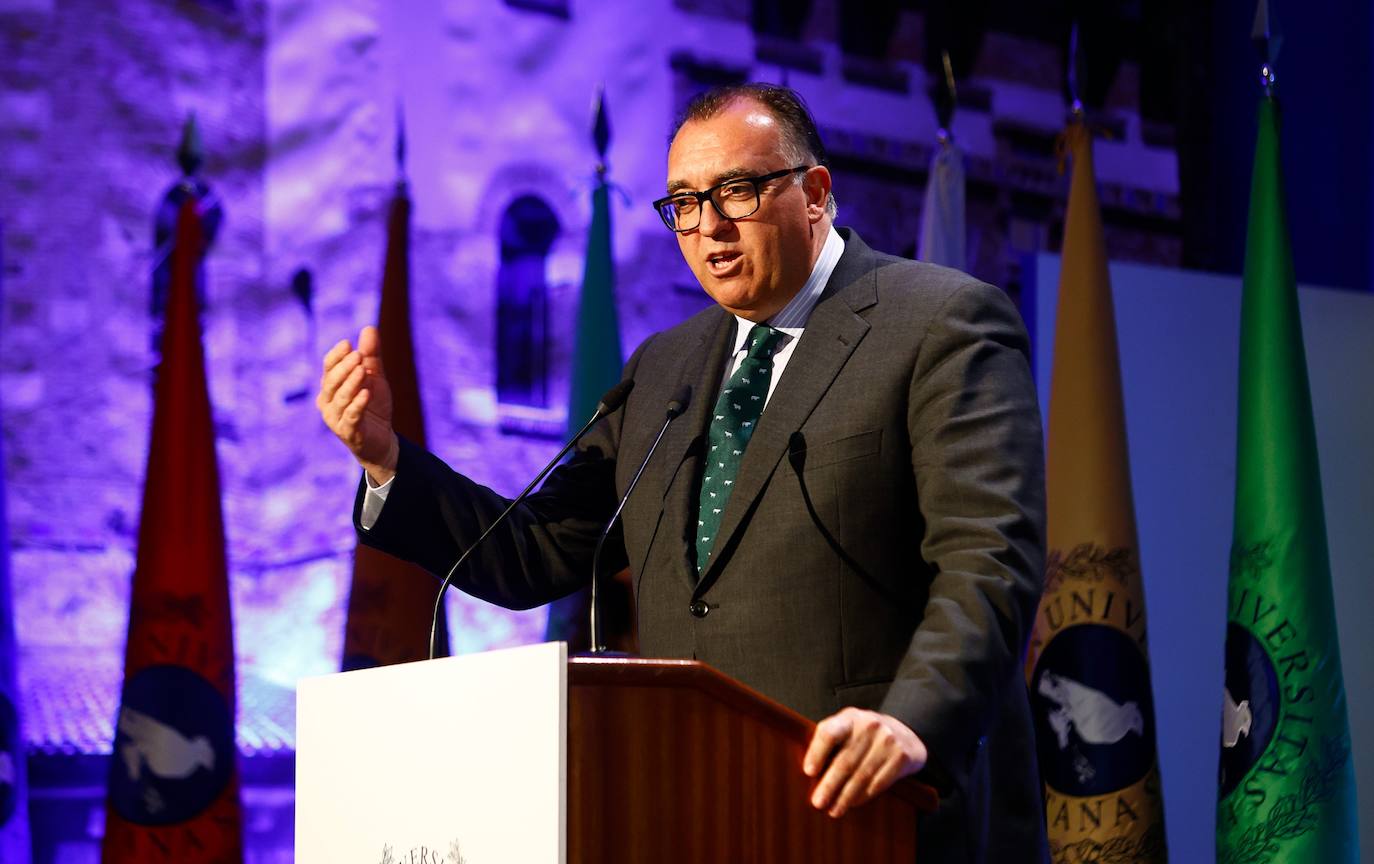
(615, 397)
(678, 403)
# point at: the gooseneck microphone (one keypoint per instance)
(676, 406)
(610, 401)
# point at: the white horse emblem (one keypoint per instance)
(164, 751)
(1092, 714)
(1235, 720)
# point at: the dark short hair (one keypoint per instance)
(784, 103)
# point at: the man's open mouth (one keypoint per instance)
(722, 262)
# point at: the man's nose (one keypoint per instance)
(712, 223)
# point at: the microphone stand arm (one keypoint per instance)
(602, 411)
(598, 646)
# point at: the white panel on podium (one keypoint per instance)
(421, 761)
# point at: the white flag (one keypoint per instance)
(942, 216)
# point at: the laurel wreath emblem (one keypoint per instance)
(1088, 562)
(1294, 814)
(1250, 560)
(1149, 846)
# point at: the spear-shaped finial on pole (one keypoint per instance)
(601, 129)
(1267, 38)
(400, 141)
(948, 100)
(191, 150)
(1075, 69)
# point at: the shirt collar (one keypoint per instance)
(791, 319)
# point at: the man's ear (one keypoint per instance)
(817, 186)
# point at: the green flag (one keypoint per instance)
(1286, 781)
(596, 367)
(597, 360)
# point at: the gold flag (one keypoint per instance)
(1087, 667)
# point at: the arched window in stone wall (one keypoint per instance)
(528, 231)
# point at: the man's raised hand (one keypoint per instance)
(355, 402)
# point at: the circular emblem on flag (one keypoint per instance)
(1250, 706)
(173, 749)
(11, 762)
(1094, 717)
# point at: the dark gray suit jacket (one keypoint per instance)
(883, 546)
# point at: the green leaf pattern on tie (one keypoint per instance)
(736, 414)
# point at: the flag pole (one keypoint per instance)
(945, 110)
(1075, 64)
(400, 140)
(1268, 40)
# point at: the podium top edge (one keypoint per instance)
(600, 671)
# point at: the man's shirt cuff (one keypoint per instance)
(373, 499)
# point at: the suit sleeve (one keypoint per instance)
(978, 459)
(541, 552)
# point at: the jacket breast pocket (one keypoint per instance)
(813, 456)
(865, 694)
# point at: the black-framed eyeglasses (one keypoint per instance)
(733, 199)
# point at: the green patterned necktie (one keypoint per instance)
(732, 425)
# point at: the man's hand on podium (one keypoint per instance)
(866, 752)
(355, 402)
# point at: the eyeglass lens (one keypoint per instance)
(732, 201)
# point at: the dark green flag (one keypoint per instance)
(596, 367)
(596, 353)
(1286, 786)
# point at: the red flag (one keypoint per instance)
(174, 780)
(391, 601)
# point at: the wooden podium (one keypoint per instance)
(526, 755)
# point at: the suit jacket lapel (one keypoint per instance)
(702, 369)
(832, 333)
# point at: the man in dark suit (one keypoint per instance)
(848, 516)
